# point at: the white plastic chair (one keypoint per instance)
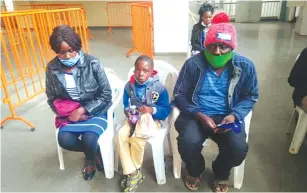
(164, 69)
(299, 128)
(106, 139)
(238, 171)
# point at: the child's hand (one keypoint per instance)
(145, 109)
(127, 113)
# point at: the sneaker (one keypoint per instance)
(132, 182)
(123, 182)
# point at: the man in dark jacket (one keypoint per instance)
(214, 87)
(298, 80)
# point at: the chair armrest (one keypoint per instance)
(247, 121)
(174, 115)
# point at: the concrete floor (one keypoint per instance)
(29, 159)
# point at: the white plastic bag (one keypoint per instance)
(146, 127)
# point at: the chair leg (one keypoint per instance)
(60, 152)
(116, 158)
(292, 123)
(158, 157)
(107, 154)
(299, 134)
(239, 175)
(176, 156)
(116, 152)
(168, 138)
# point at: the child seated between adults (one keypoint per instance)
(146, 105)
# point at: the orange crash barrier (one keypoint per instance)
(23, 64)
(59, 6)
(142, 29)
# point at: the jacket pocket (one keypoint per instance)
(91, 85)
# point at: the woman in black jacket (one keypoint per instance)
(200, 29)
(298, 80)
(78, 77)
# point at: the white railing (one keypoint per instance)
(229, 8)
(270, 9)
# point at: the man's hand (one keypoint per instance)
(205, 120)
(226, 120)
(145, 109)
(76, 114)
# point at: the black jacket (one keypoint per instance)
(196, 37)
(91, 80)
(298, 78)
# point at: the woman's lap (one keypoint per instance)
(96, 124)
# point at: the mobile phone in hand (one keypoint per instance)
(235, 126)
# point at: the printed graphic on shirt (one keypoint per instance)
(155, 96)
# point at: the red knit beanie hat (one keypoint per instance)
(221, 17)
(221, 31)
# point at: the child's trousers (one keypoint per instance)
(131, 149)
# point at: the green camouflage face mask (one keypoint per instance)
(218, 61)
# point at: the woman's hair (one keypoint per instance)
(144, 58)
(205, 8)
(67, 34)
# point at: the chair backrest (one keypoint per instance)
(166, 73)
(115, 82)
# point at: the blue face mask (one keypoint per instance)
(145, 83)
(70, 62)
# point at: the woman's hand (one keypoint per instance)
(84, 117)
(76, 114)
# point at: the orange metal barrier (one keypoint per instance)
(23, 65)
(142, 29)
(60, 6)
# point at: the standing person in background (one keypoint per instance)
(201, 28)
(298, 80)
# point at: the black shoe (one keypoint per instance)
(99, 163)
(89, 170)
